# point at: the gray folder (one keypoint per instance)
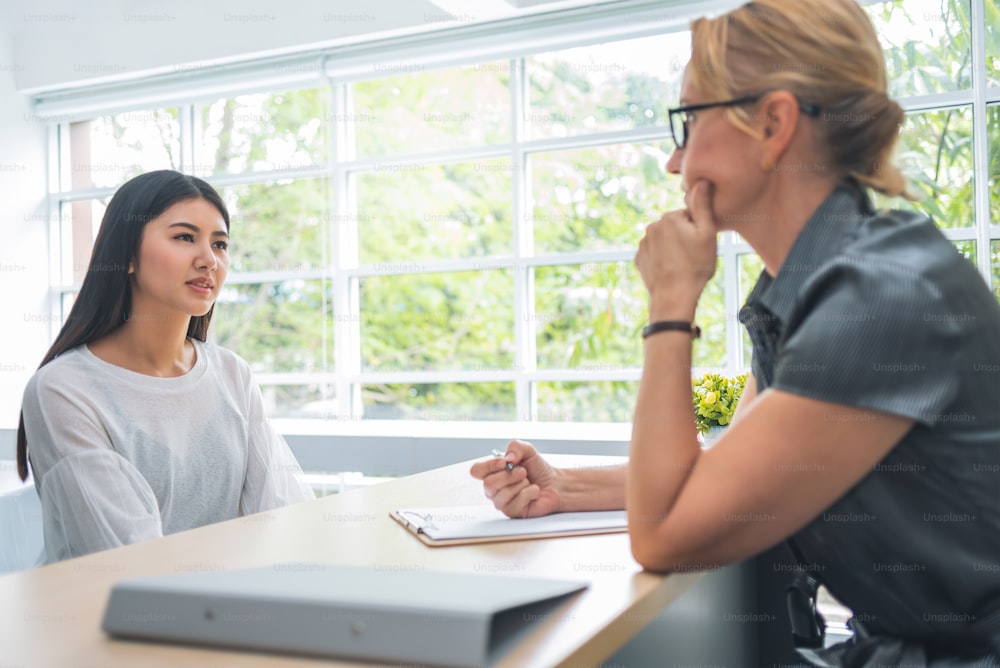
(381, 614)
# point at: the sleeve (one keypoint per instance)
(95, 500)
(274, 477)
(92, 498)
(874, 336)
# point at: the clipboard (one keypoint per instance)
(463, 525)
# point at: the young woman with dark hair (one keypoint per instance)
(134, 426)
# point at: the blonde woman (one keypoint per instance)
(868, 436)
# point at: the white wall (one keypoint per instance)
(24, 269)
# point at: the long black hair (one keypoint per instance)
(105, 299)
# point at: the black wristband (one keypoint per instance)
(671, 326)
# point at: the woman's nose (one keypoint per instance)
(674, 162)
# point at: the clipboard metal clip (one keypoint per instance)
(418, 521)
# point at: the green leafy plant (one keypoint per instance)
(715, 397)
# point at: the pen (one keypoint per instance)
(509, 466)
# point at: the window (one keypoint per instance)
(411, 214)
(262, 133)
(606, 87)
(98, 155)
(927, 45)
(991, 11)
(942, 182)
(108, 150)
(453, 239)
(277, 306)
(993, 123)
(433, 110)
(935, 80)
(995, 261)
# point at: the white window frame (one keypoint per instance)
(387, 444)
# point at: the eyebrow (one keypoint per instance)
(195, 228)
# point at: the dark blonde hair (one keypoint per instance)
(826, 53)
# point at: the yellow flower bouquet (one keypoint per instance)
(715, 397)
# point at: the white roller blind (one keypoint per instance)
(380, 58)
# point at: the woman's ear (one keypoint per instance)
(779, 113)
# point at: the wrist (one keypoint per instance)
(561, 482)
(588, 489)
(683, 326)
(671, 309)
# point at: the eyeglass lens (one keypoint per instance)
(679, 129)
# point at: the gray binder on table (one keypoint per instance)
(451, 619)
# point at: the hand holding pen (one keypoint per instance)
(519, 481)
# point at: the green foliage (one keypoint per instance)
(285, 326)
(438, 321)
(278, 327)
(992, 9)
(715, 397)
(125, 145)
(604, 87)
(442, 402)
(595, 401)
(263, 132)
(935, 152)
(924, 54)
(435, 212)
(711, 316)
(588, 315)
(995, 263)
(432, 110)
(599, 198)
(993, 132)
(278, 226)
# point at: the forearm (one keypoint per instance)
(664, 446)
(592, 488)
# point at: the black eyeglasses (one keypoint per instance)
(679, 115)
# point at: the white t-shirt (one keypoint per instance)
(120, 457)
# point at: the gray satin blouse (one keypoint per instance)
(879, 311)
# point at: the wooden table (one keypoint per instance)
(51, 616)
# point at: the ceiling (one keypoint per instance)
(60, 44)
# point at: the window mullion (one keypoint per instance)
(187, 126)
(731, 298)
(57, 155)
(524, 297)
(344, 253)
(980, 141)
